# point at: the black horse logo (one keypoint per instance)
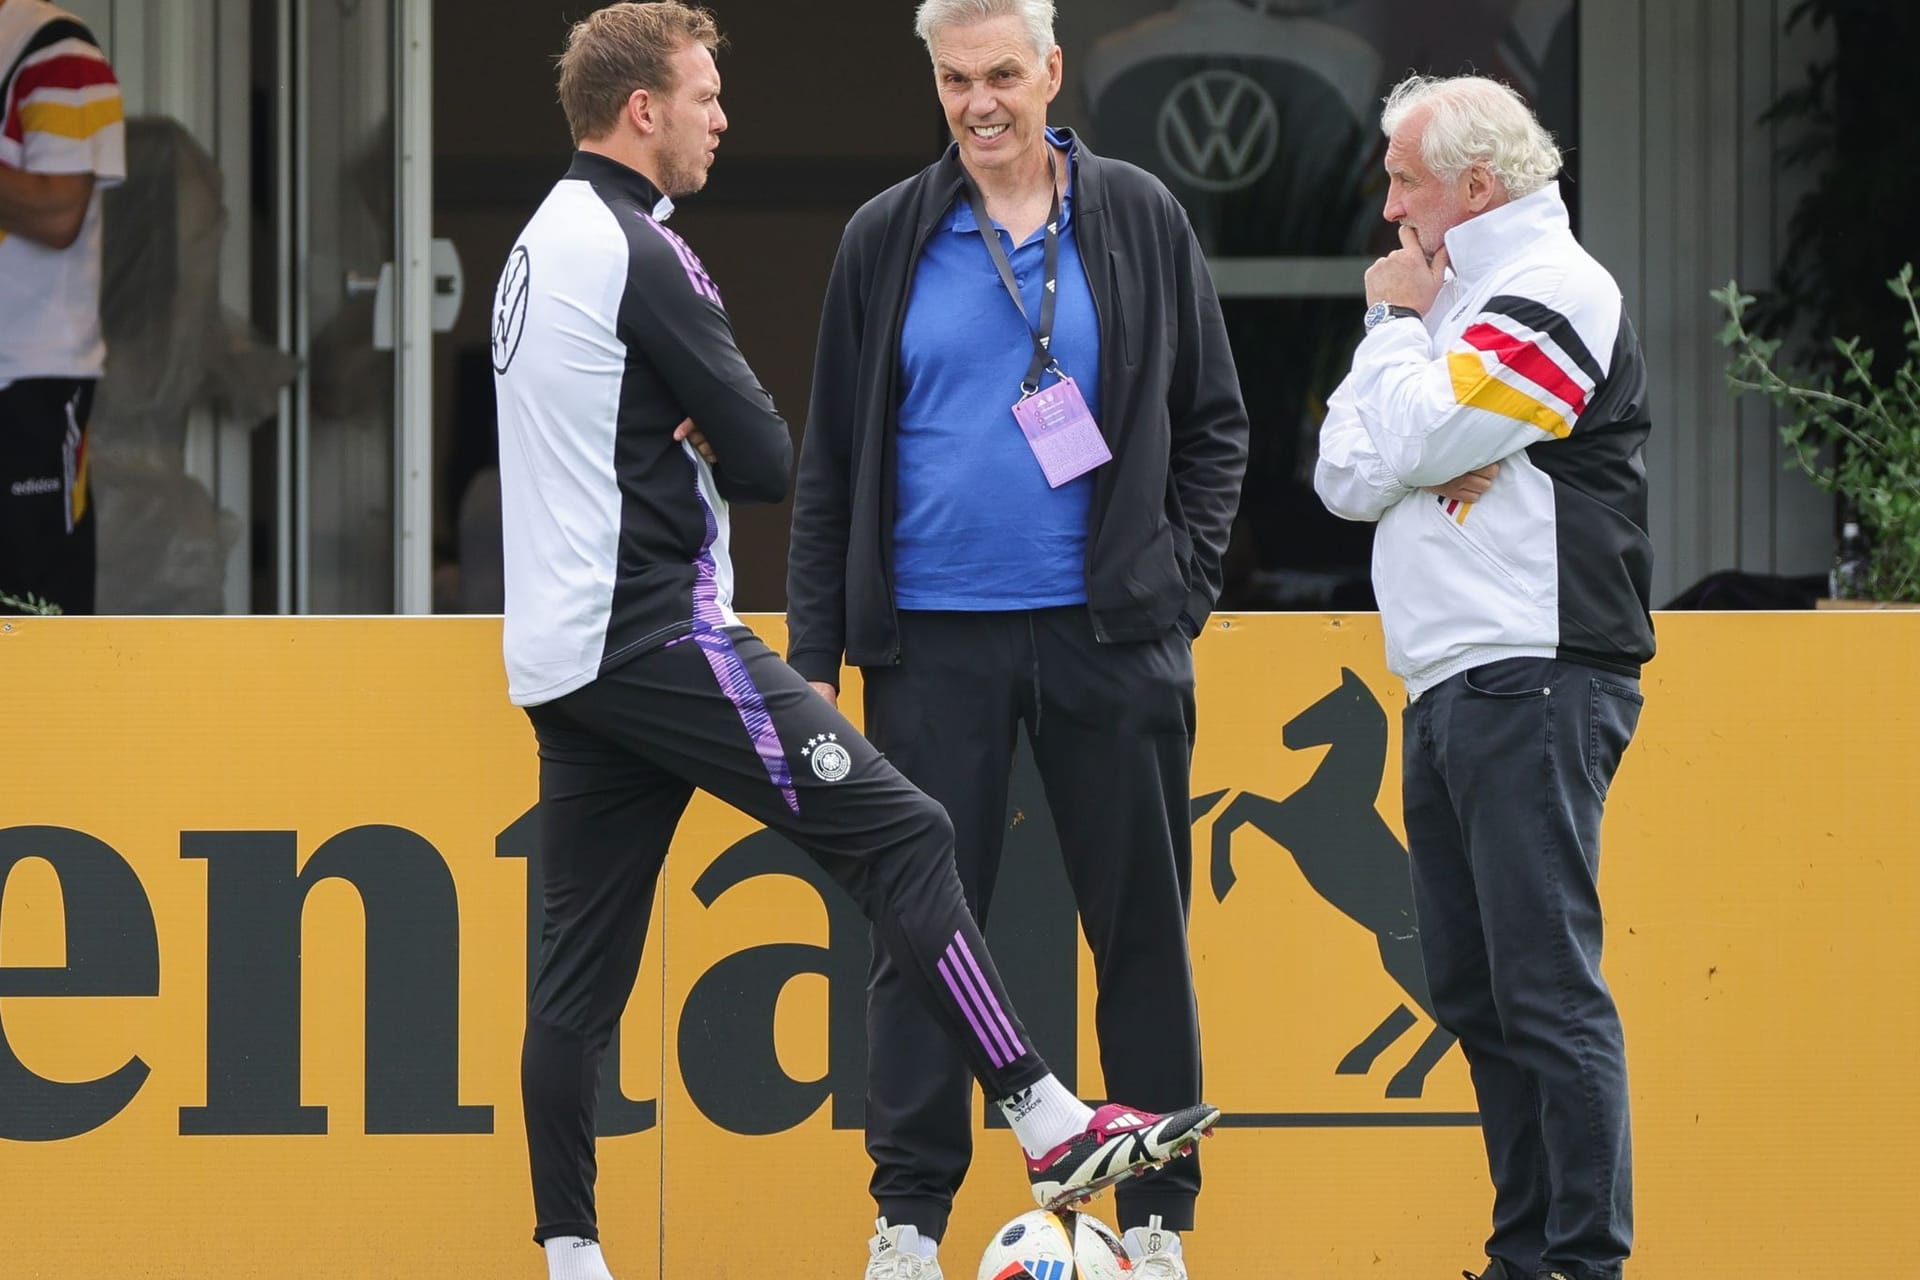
(1334, 831)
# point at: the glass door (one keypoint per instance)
(263, 429)
(361, 412)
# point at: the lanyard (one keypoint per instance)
(1049, 299)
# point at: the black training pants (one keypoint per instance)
(619, 760)
(46, 518)
(1111, 726)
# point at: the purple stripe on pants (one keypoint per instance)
(994, 1053)
(986, 991)
(982, 999)
(729, 668)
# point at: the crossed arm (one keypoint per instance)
(1354, 479)
(46, 208)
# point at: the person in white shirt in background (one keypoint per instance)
(62, 141)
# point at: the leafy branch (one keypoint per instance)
(30, 604)
(1869, 428)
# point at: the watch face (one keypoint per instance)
(1375, 314)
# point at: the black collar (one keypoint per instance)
(601, 171)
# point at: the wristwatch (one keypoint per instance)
(1381, 312)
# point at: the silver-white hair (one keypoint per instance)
(1472, 118)
(1035, 15)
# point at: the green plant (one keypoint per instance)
(1869, 427)
(31, 604)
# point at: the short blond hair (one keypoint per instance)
(614, 51)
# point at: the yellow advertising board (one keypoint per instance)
(264, 923)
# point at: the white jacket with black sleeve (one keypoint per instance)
(1527, 359)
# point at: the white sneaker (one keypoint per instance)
(1155, 1252)
(894, 1254)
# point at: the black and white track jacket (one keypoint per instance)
(1526, 358)
(607, 333)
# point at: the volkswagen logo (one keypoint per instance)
(1219, 130)
(510, 309)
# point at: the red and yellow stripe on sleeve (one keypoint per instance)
(67, 91)
(1524, 361)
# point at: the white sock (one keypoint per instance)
(1045, 1115)
(571, 1258)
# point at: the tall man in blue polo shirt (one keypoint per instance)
(1021, 463)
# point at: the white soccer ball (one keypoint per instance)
(1054, 1246)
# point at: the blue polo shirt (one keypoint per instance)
(976, 527)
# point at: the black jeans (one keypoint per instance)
(1507, 768)
(1111, 726)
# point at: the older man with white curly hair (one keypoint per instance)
(1493, 425)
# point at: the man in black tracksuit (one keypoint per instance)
(981, 586)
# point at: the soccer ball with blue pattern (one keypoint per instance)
(1054, 1246)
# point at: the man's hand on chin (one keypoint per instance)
(1406, 277)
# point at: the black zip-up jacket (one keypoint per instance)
(1170, 411)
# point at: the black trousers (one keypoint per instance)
(619, 760)
(46, 515)
(1111, 728)
(1507, 768)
